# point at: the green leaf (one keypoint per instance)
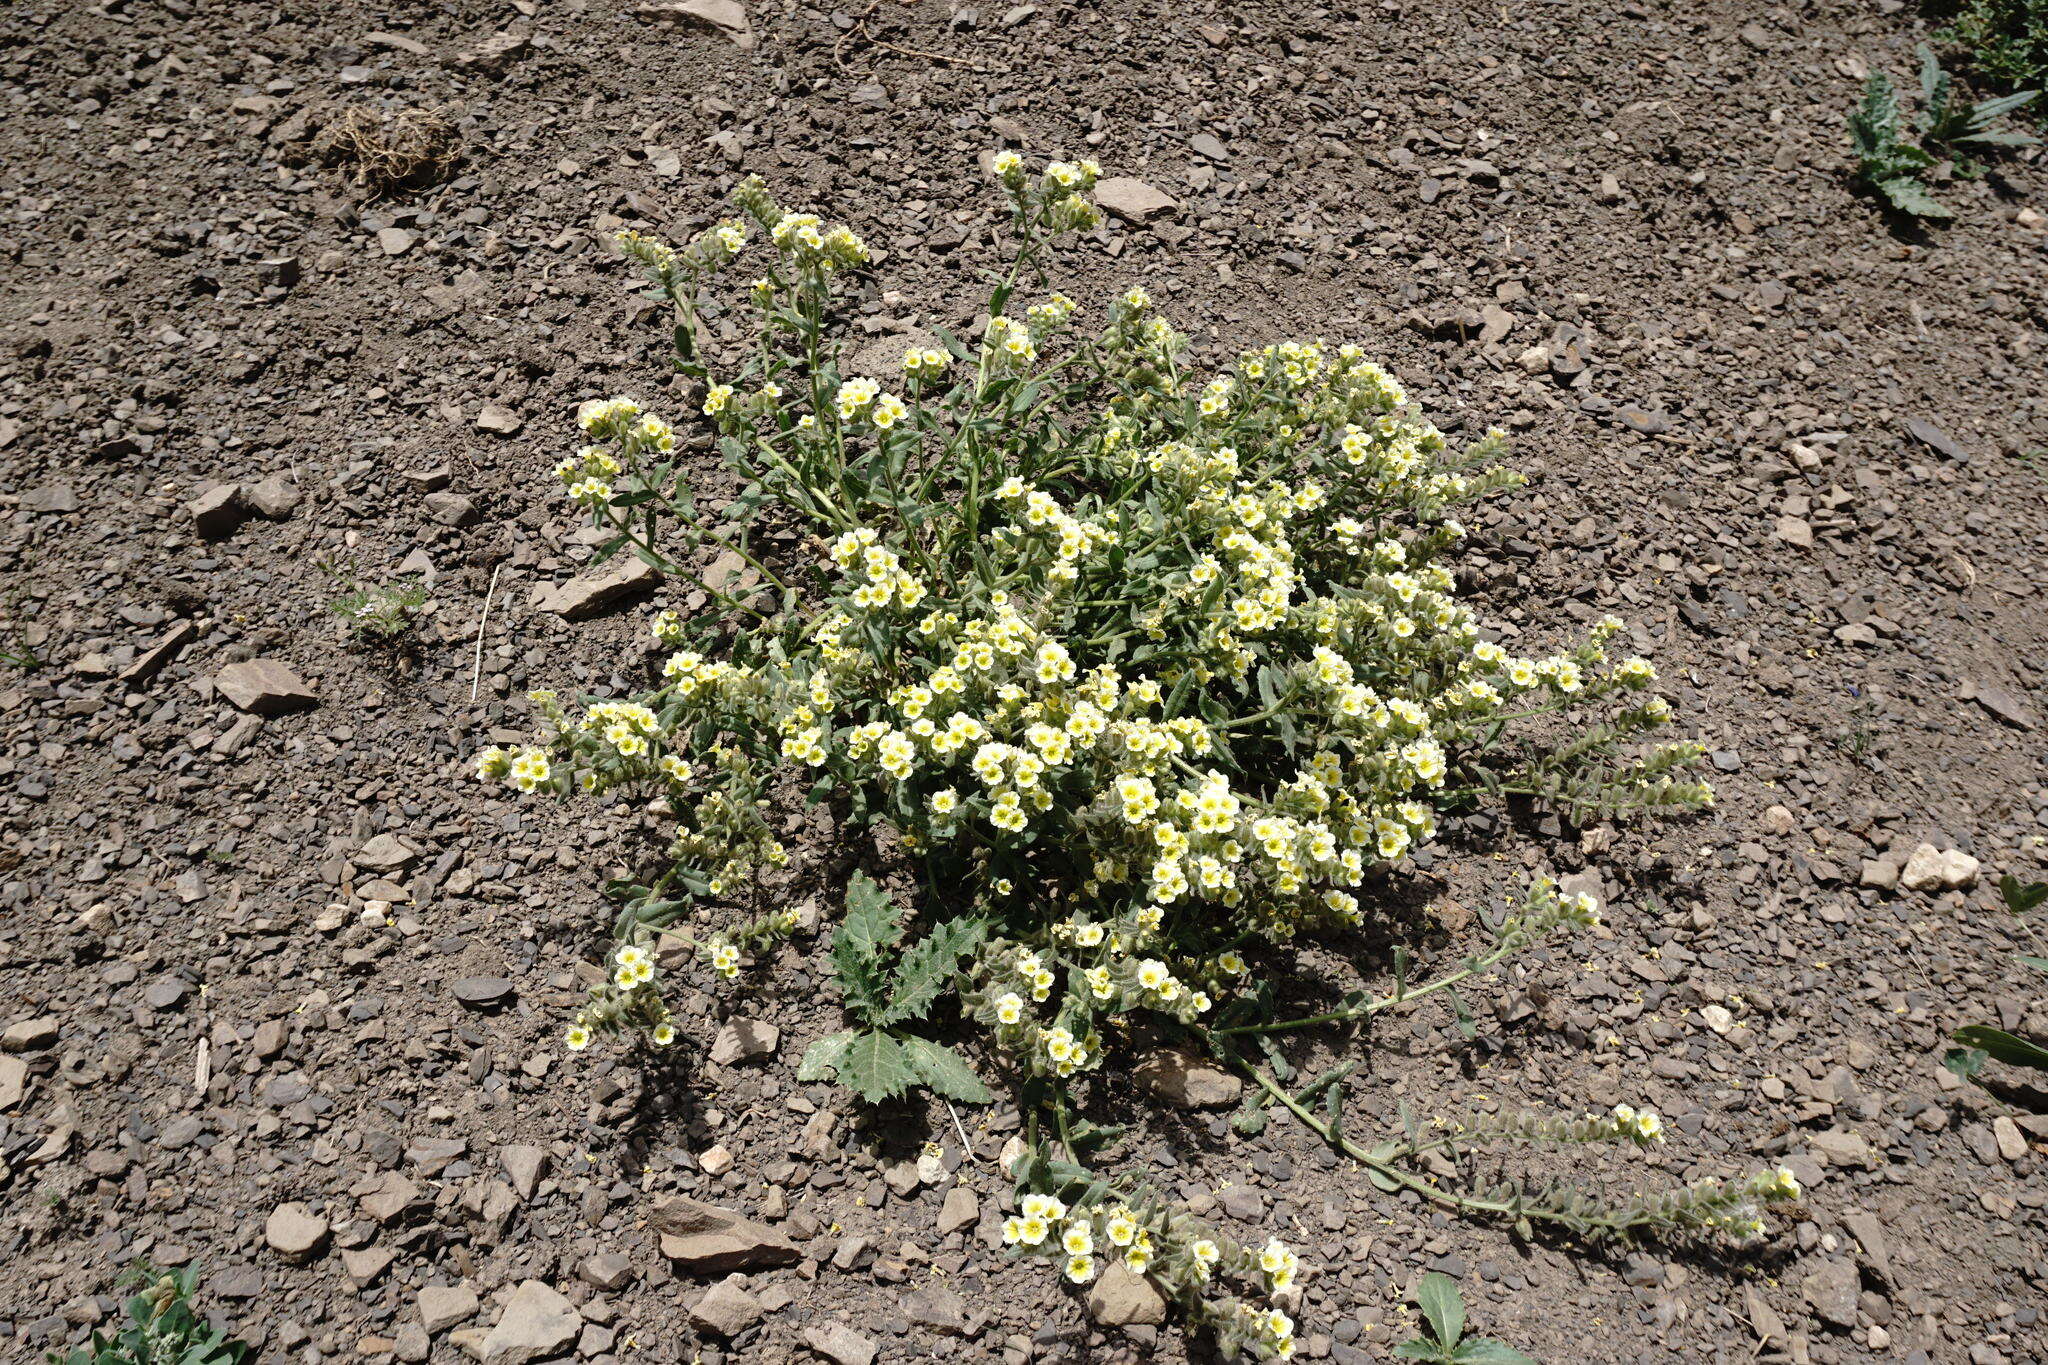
(1874, 125)
(1966, 1062)
(945, 1071)
(1908, 195)
(1418, 1349)
(858, 943)
(1487, 1351)
(2039, 964)
(874, 1067)
(927, 968)
(821, 1059)
(2021, 897)
(1441, 1304)
(2011, 1050)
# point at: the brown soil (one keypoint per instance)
(1786, 441)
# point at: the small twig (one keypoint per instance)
(860, 30)
(476, 668)
(966, 1142)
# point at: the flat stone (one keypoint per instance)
(151, 662)
(1186, 1080)
(1879, 873)
(588, 594)
(13, 1081)
(483, 992)
(1831, 1287)
(498, 418)
(264, 687)
(727, 1309)
(2005, 706)
(395, 241)
(392, 1197)
(727, 17)
(1795, 532)
(2012, 1144)
(365, 1264)
(1840, 1147)
(523, 1165)
(1132, 200)
(56, 497)
(386, 853)
(295, 1232)
(960, 1210)
(494, 54)
(837, 1342)
(938, 1308)
(443, 1305)
(1120, 1298)
(275, 497)
(30, 1035)
(745, 1040)
(703, 1239)
(537, 1323)
(1934, 438)
(607, 1270)
(450, 509)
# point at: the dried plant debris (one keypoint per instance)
(386, 151)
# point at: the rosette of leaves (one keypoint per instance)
(1446, 1343)
(1891, 166)
(162, 1330)
(879, 1059)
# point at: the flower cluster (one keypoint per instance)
(1176, 655)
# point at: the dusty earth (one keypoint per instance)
(1797, 448)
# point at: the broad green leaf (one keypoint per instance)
(945, 1071)
(1418, 1349)
(1984, 111)
(857, 945)
(1487, 1351)
(1999, 140)
(1440, 1302)
(874, 1067)
(1910, 196)
(2021, 897)
(821, 1059)
(2004, 1046)
(927, 968)
(1966, 1062)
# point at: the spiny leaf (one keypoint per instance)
(821, 1059)
(1910, 196)
(857, 945)
(873, 1067)
(928, 967)
(944, 1070)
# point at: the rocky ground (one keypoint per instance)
(1799, 450)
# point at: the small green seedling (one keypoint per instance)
(1447, 1343)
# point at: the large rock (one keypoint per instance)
(1831, 1287)
(840, 1344)
(704, 1239)
(1935, 869)
(588, 594)
(1186, 1080)
(1134, 201)
(295, 1232)
(266, 687)
(537, 1323)
(727, 1309)
(444, 1305)
(728, 17)
(1122, 1298)
(745, 1040)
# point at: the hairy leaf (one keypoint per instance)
(928, 967)
(821, 1059)
(1908, 195)
(858, 943)
(874, 1067)
(945, 1071)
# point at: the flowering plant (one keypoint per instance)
(1147, 674)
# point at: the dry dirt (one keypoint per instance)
(1798, 449)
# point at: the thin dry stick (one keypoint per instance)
(860, 29)
(476, 668)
